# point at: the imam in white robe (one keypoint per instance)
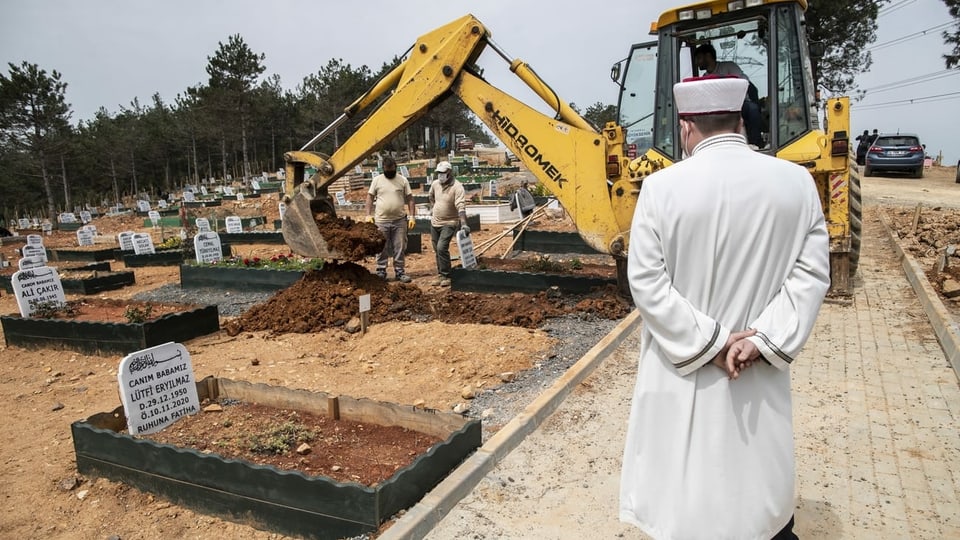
(725, 240)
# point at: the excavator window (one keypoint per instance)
(636, 106)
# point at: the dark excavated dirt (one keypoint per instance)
(330, 298)
(352, 239)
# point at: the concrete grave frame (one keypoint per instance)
(288, 502)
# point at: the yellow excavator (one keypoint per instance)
(597, 173)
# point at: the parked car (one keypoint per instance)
(464, 143)
(900, 152)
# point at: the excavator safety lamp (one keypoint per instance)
(754, 3)
(613, 166)
(839, 147)
(733, 6)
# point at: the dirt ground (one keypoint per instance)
(403, 361)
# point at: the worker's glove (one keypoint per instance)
(465, 229)
(368, 219)
(411, 223)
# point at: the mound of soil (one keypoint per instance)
(330, 298)
(353, 239)
(926, 237)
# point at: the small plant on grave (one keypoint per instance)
(576, 264)
(543, 263)
(174, 242)
(279, 439)
(138, 315)
(53, 310)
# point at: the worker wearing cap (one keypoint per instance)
(448, 204)
(728, 266)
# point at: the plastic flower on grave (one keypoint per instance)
(246, 262)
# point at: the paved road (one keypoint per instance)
(877, 418)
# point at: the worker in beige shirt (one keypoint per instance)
(391, 195)
(448, 205)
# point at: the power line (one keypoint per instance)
(910, 101)
(912, 81)
(910, 37)
(893, 7)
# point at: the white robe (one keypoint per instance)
(724, 240)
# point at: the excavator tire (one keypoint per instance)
(855, 199)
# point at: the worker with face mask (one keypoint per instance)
(448, 213)
(390, 193)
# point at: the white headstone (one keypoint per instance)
(493, 188)
(188, 196)
(255, 185)
(34, 240)
(23, 223)
(162, 203)
(203, 224)
(227, 190)
(239, 196)
(476, 161)
(282, 207)
(154, 217)
(27, 263)
(143, 206)
(207, 246)
(281, 174)
(36, 286)
(126, 240)
(35, 222)
(34, 251)
(85, 216)
(405, 171)
(67, 217)
(84, 237)
(234, 224)
(91, 228)
(157, 387)
(468, 259)
(47, 228)
(143, 244)
(358, 169)
(203, 190)
(341, 198)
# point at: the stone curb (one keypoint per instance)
(418, 521)
(947, 331)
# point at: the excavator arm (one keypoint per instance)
(585, 168)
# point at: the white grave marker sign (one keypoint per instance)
(91, 228)
(67, 217)
(255, 185)
(157, 387)
(34, 240)
(161, 204)
(26, 263)
(126, 240)
(84, 237)
(282, 207)
(203, 224)
(239, 196)
(227, 190)
(405, 171)
(468, 259)
(234, 224)
(203, 190)
(34, 251)
(143, 244)
(207, 246)
(154, 217)
(188, 196)
(143, 206)
(47, 228)
(36, 286)
(86, 217)
(23, 223)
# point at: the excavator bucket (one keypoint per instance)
(300, 231)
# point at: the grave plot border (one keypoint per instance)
(194, 276)
(7, 283)
(92, 285)
(92, 255)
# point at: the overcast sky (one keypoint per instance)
(112, 51)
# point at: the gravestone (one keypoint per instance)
(475, 162)
(34, 251)
(154, 217)
(493, 188)
(157, 387)
(255, 185)
(227, 190)
(36, 286)
(468, 259)
(84, 237)
(207, 247)
(47, 228)
(126, 240)
(86, 217)
(203, 190)
(34, 240)
(143, 244)
(188, 196)
(67, 217)
(23, 223)
(282, 207)
(234, 225)
(26, 263)
(143, 206)
(203, 224)
(239, 196)
(341, 198)
(405, 171)
(91, 228)
(162, 204)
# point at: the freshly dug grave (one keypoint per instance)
(343, 450)
(330, 298)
